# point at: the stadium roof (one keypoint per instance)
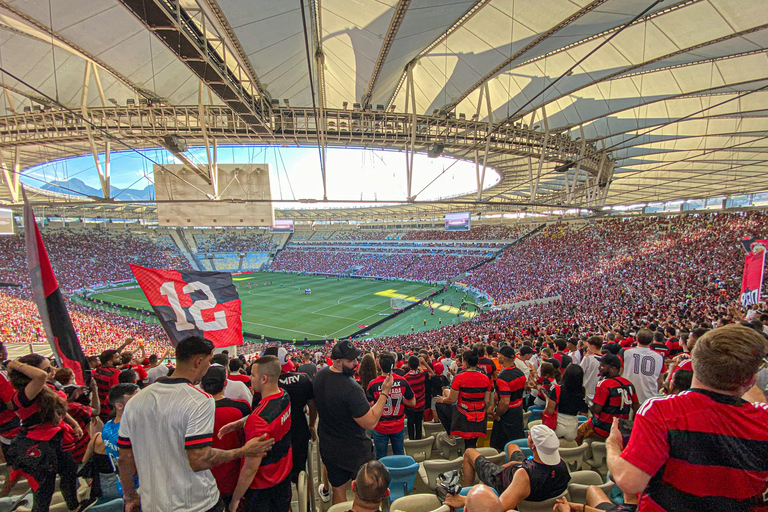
(575, 103)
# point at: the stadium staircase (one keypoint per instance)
(178, 239)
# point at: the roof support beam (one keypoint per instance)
(394, 25)
(103, 172)
(481, 176)
(410, 96)
(213, 171)
(468, 14)
(525, 49)
(12, 177)
(535, 182)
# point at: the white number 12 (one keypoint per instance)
(182, 324)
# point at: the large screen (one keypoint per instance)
(282, 226)
(6, 221)
(457, 221)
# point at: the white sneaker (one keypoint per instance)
(324, 494)
(447, 439)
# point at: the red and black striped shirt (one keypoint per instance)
(486, 365)
(82, 414)
(472, 386)
(393, 418)
(417, 379)
(106, 377)
(272, 417)
(511, 383)
(704, 450)
(616, 395)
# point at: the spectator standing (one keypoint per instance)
(307, 366)
(572, 402)
(264, 484)
(417, 378)
(708, 433)
(106, 376)
(165, 438)
(614, 397)
(391, 425)
(508, 414)
(38, 449)
(156, 367)
(235, 389)
(302, 394)
(227, 410)
(471, 394)
(591, 365)
(643, 367)
(345, 414)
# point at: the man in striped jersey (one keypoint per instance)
(417, 377)
(391, 426)
(706, 448)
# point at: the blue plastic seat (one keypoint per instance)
(109, 505)
(535, 415)
(582, 419)
(402, 473)
(523, 444)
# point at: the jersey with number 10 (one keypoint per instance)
(393, 418)
(642, 367)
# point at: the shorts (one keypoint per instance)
(338, 476)
(272, 499)
(492, 474)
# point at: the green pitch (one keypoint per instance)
(334, 309)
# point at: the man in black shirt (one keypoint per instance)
(538, 479)
(345, 415)
(307, 366)
(300, 390)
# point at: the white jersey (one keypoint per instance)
(591, 367)
(160, 424)
(642, 367)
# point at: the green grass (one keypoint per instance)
(335, 308)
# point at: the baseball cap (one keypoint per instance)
(507, 352)
(610, 360)
(286, 365)
(344, 349)
(526, 350)
(546, 443)
(439, 368)
(214, 377)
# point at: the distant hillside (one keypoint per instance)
(75, 185)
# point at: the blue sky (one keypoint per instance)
(352, 174)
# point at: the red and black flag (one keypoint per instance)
(193, 303)
(50, 303)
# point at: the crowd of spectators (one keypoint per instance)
(86, 258)
(235, 240)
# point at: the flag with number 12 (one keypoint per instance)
(194, 303)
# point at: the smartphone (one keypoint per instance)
(625, 427)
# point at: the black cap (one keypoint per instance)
(526, 350)
(345, 349)
(507, 352)
(610, 360)
(613, 348)
(270, 351)
(214, 377)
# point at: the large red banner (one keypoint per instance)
(194, 304)
(754, 268)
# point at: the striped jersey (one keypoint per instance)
(472, 386)
(486, 365)
(393, 418)
(704, 450)
(616, 395)
(511, 383)
(417, 379)
(160, 423)
(106, 377)
(227, 411)
(272, 417)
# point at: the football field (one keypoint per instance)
(337, 307)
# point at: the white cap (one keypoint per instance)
(546, 443)
(286, 365)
